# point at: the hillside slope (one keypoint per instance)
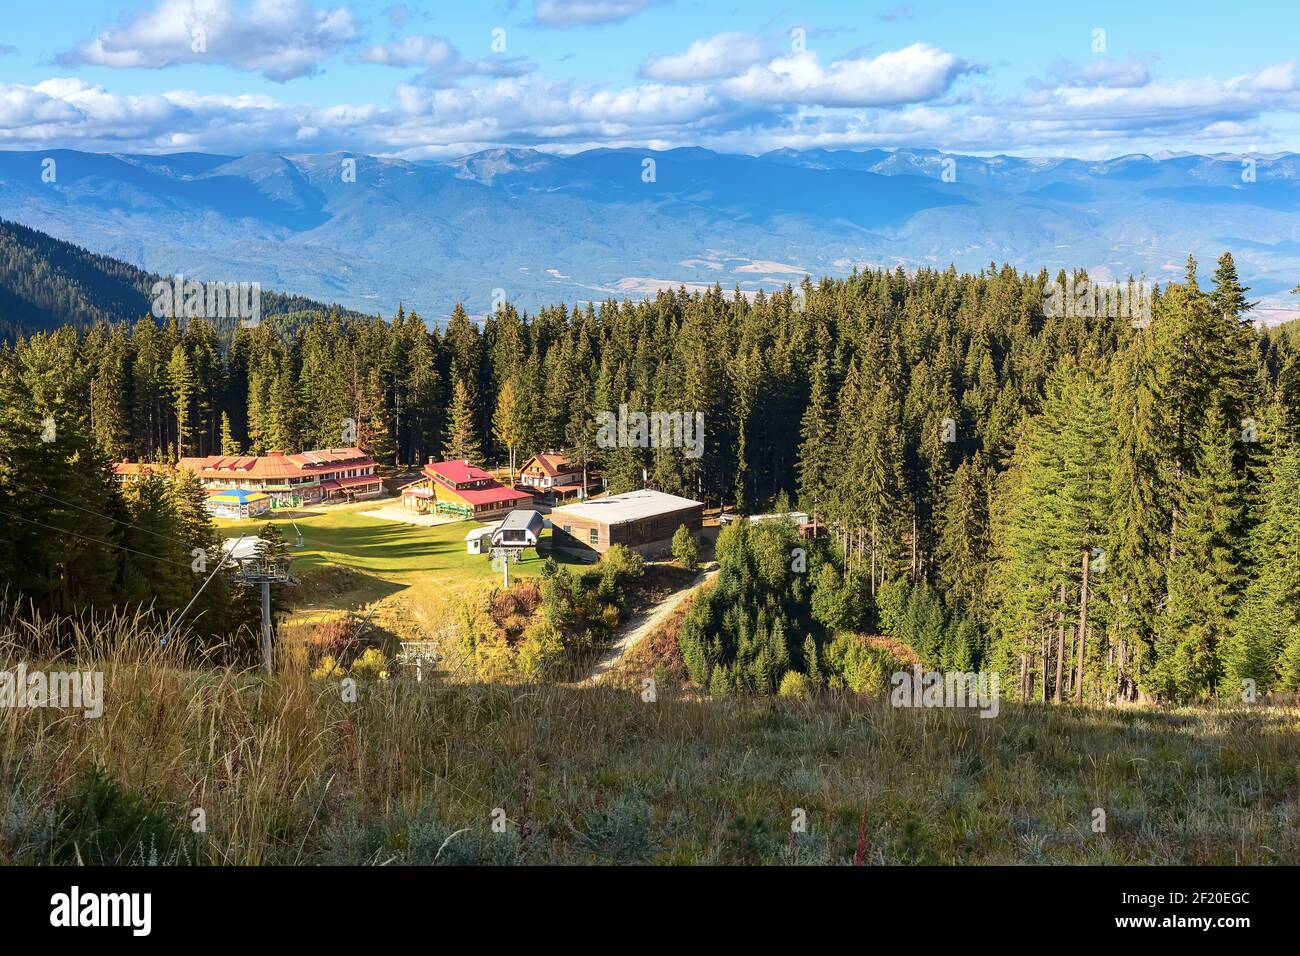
(45, 283)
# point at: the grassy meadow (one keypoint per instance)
(286, 770)
(352, 562)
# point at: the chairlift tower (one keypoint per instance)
(265, 570)
(501, 558)
(418, 653)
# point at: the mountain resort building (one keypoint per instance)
(551, 474)
(312, 477)
(461, 489)
(642, 520)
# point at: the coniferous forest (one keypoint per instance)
(1099, 508)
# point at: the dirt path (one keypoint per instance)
(640, 626)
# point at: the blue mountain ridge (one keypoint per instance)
(542, 228)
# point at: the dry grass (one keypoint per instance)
(287, 771)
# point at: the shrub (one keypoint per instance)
(542, 645)
(794, 684)
(372, 665)
(685, 549)
(101, 823)
(623, 562)
(865, 669)
(328, 668)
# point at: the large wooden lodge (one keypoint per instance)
(312, 477)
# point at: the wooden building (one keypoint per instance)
(329, 474)
(461, 489)
(642, 520)
(554, 476)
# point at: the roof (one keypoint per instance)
(632, 506)
(457, 472)
(352, 482)
(241, 495)
(552, 463)
(474, 533)
(492, 494)
(128, 467)
(277, 464)
(522, 519)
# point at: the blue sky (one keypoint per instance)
(423, 79)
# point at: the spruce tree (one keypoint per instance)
(461, 441)
(1205, 576)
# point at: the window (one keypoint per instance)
(594, 536)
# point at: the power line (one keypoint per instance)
(86, 537)
(89, 511)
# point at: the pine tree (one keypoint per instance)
(1138, 545)
(461, 441)
(1266, 632)
(180, 380)
(816, 462)
(228, 444)
(963, 546)
(1205, 573)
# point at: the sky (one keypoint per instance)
(432, 79)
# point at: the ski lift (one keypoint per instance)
(419, 653)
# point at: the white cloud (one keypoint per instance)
(282, 39)
(914, 73)
(1101, 71)
(411, 51)
(567, 13)
(739, 114)
(724, 54)
(441, 60)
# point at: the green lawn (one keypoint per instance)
(388, 549)
(418, 566)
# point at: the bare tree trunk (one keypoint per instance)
(1083, 625)
(1060, 648)
(1024, 677)
(1046, 645)
(912, 577)
(873, 556)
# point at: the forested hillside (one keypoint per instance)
(45, 283)
(1097, 507)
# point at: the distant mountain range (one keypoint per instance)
(538, 228)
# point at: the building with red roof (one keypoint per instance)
(128, 470)
(553, 474)
(329, 474)
(460, 488)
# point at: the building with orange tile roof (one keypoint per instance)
(310, 477)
